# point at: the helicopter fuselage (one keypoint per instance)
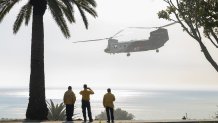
(156, 40)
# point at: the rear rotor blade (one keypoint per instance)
(142, 27)
(118, 32)
(91, 40)
(169, 24)
(155, 27)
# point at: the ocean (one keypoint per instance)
(143, 104)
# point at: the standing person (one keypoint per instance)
(108, 100)
(69, 100)
(86, 102)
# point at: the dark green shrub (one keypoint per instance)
(119, 114)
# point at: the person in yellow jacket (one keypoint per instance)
(86, 102)
(69, 100)
(108, 100)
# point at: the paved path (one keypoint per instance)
(128, 121)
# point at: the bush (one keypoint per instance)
(119, 114)
(56, 112)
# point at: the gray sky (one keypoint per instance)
(179, 64)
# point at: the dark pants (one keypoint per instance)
(69, 111)
(110, 114)
(86, 105)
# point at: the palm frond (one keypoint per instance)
(82, 13)
(58, 17)
(28, 14)
(67, 3)
(85, 20)
(87, 2)
(92, 2)
(23, 14)
(90, 10)
(67, 9)
(5, 7)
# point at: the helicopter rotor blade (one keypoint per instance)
(155, 27)
(118, 33)
(142, 27)
(90, 40)
(100, 38)
(168, 24)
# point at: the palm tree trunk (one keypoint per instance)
(37, 108)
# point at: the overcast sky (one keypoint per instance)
(179, 63)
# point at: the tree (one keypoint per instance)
(119, 114)
(60, 10)
(194, 15)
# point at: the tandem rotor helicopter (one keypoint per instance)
(156, 40)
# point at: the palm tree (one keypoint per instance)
(61, 11)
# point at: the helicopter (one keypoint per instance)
(156, 40)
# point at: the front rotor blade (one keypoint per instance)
(91, 40)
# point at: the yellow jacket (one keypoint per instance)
(108, 100)
(86, 94)
(69, 97)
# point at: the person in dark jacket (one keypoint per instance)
(108, 100)
(69, 100)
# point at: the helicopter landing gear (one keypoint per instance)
(157, 50)
(128, 54)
